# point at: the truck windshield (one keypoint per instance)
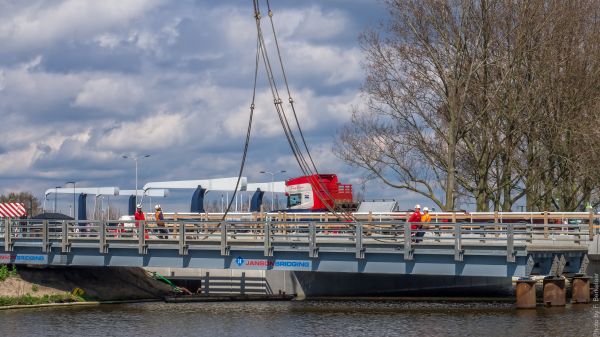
(294, 199)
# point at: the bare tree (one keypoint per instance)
(482, 100)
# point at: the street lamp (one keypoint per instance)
(135, 158)
(72, 182)
(272, 183)
(55, 193)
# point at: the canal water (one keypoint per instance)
(303, 318)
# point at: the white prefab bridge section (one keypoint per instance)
(155, 193)
(84, 190)
(277, 187)
(218, 184)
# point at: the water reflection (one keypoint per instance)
(301, 318)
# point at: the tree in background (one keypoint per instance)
(490, 101)
(32, 204)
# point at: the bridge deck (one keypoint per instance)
(391, 247)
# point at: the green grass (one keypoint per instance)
(29, 300)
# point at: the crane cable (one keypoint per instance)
(279, 108)
(248, 131)
(291, 101)
(307, 170)
(298, 153)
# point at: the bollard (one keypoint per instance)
(526, 294)
(554, 291)
(581, 289)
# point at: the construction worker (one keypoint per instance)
(140, 216)
(160, 222)
(415, 223)
(425, 217)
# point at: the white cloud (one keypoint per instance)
(116, 93)
(309, 23)
(154, 132)
(38, 24)
(335, 64)
(96, 79)
(108, 40)
(28, 90)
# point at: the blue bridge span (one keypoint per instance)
(387, 247)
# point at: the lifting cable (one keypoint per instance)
(307, 170)
(248, 132)
(279, 107)
(314, 169)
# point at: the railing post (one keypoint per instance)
(358, 236)
(545, 224)
(243, 284)
(577, 233)
(224, 245)
(142, 247)
(8, 243)
(102, 237)
(183, 247)
(510, 242)
(65, 245)
(408, 252)
(45, 236)
(591, 226)
(268, 250)
(458, 251)
(207, 283)
(313, 250)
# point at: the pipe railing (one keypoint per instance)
(272, 235)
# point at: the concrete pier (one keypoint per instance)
(525, 293)
(581, 289)
(554, 291)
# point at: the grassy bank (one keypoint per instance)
(35, 286)
(28, 299)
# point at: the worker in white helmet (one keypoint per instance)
(160, 222)
(140, 216)
(425, 217)
(415, 221)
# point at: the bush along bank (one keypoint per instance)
(28, 299)
(5, 272)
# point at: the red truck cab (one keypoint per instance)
(318, 192)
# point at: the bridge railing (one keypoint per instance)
(269, 236)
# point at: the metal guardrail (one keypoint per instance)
(310, 236)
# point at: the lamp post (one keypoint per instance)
(72, 182)
(55, 193)
(272, 183)
(135, 159)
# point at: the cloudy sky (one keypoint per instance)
(84, 82)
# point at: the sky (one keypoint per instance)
(84, 82)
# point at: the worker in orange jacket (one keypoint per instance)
(160, 222)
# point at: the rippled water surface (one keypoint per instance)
(302, 318)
